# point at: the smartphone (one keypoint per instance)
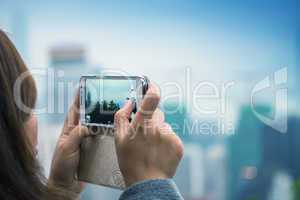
(100, 98)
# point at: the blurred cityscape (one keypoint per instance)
(249, 161)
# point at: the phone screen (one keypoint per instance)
(103, 97)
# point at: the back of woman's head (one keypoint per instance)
(19, 171)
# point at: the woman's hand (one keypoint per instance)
(147, 148)
(66, 156)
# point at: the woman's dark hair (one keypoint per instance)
(20, 174)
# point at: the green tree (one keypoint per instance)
(95, 112)
(112, 106)
(105, 105)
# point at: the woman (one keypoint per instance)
(148, 160)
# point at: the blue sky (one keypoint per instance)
(218, 40)
(117, 91)
(168, 33)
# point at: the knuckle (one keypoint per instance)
(84, 130)
(118, 115)
(76, 130)
(155, 96)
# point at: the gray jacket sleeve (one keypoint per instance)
(163, 189)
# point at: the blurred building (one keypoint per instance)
(216, 172)
(282, 187)
(190, 176)
(281, 151)
(245, 151)
(280, 159)
(67, 56)
(60, 82)
(67, 63)
(257, 153)
(202, 171)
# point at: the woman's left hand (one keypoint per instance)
(66, 156)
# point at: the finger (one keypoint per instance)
(148, 105)
(121, 120)
(149, 126)
(158, 117)
(165, 129)
(72, 119)
(157, 120)
(75, 138)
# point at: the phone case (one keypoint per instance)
(99, 163)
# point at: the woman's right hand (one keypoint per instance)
(147, 147)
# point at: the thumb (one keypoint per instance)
(122, 120)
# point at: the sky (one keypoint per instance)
(217, 41)
(169, 33)
(114, 90)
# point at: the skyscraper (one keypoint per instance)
(245, 153)
(216, 172)
(67, 64)
(257, 153)
(190, 175)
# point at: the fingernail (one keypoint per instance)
(127, 103)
